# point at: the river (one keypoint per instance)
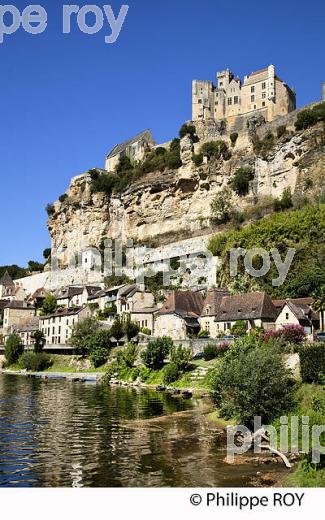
(56, 433)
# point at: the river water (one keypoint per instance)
(62, 434)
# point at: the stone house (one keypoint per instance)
(256, 309)
(106, 297)
(133, 297)
(27, 331)
(145, 318)
(261, 92)
(16, 313)
(297, 311)
(179, 316)
(57, 328)
(134, 149)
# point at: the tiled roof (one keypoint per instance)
(247, 306)
(64, 313)
(3, 304)
(212, 301)
(298, 301)
(121, 147)
(129, 290)
(28, 327)
(184, 303)
(18, 304)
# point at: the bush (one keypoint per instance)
(215, 150)
(233, 138)
(39, 341)
(187, 130)
(309, 117)
(50, 210)
(98, 356)
(128, 356)
(198, 159)
(312, 362)
(268, 394)
(240, 328)
(222, 207)
(13, 349)
(281, 130)
(146, 331)
(180, 356)
(63, 197)
(241, 180)
(83, 337)
(294, 334)
(203, 334)
(210, 351)
(156, 353)
(35, 362)
(171, 374)
(285, 202)
(47, 253)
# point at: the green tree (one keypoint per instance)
(187, 130)
(49, 305)
(241, 180)
(180, 357)
(240, 328)
(13, 349)
(156, 352)
(253, 382)
(82, 337)
(35, 266)
(39, 341)
(47, 253)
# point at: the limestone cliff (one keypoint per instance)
(163, 207)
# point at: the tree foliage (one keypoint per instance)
(13, 348)
(156, 353)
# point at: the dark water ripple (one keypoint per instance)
(58, 433)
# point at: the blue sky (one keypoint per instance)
(67, 99)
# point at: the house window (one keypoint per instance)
(263, 104)
(236, 100)
(252, 89)
(252, 98)
(230, 101)
(263, 95)
(287, 315)
(263, 85)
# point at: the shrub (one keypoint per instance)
(171, 374)
(98, 356)
(241, 180)
(268, 394)
(240, 328)
(49, 305)
(210, 351)
(285, 202)
(187, 130)
(146, 331)
(312, 362)
(233, 138)
(13, 348)
(263, 146)
(128, 355)
(35, 362)
(47, 253)
(281, 130)
(63, 197)
(215, 150)
(222, 207)
(50, 209)
(309, 117)
(289, 334)
(180, 356)
(198, 159)
(203, 334)
(82, 337)
(156, 353)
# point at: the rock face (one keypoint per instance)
(173, 205)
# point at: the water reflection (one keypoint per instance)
(58, 433)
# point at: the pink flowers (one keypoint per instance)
(289, 333)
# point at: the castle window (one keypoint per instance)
(263, 95)
(221, 83)
(255, 107)
(252, 99)
(236, 100)
(200, 101)
(263, 104)
(263, 86)
(252, 89)
(230, 101)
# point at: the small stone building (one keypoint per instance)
(298, 311)
(134, 149)
(57, 328)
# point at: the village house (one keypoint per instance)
(57, 328)
(106, 298)
(221, 312)
(37, 298)
(179, 316)
(76, 296)
(133, 298)
(297, 311)
(9, 290)
(26, 332)
(134, 149)
(16, 313)
(145, 318)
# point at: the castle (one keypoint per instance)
(261, 92)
